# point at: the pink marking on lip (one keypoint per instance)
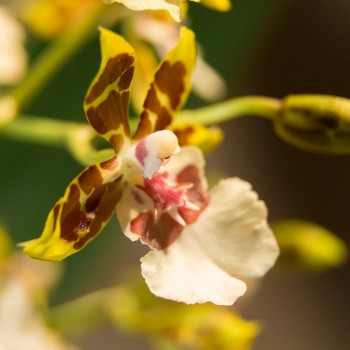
(163, 195)
(160, 228)
(141, 151)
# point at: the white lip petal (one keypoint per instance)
(230, 238)
(182, 272)
(233, 230)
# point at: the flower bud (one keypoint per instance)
(308, 246)
(315, 123)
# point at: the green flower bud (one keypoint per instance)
(315, 123)
(308, 246)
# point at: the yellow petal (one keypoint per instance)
(107, 100)
(144, 71)
(80, 214)
(171, 86)
(218, 5)
(195, 134)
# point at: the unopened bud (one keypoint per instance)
(317, 123)
(308, 246)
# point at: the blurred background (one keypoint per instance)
(272, 48)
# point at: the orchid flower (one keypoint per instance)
(199, 240)
(172, 6)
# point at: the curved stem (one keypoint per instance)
(258, 106)
(36, 130)
(76, 137)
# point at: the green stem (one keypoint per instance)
(36, 130)
(54, 57)
(78, 138)
(257, 106)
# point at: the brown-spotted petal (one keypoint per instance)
(107, 100)
(170, 88)
(80, 214)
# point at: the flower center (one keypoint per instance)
(167, 197)
(154, 149)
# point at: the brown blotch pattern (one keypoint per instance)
(73, 220)
(183, 134)
(170, 79)
(117, 142)
(126, 78)
(110, 113)
(110, 164)
(80, 222)
(102, 204)
(90, 178)
(156, 234)
(56, 211)
(145, 126)
(119, 66)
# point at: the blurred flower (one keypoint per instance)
(49, 18)
(308, 246)
(23, 283)
(172, 325)
(317, 123)
(161, 201)
(174, 7)
(13, 56)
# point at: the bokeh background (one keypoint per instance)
(272, 48)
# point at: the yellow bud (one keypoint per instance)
(317, 123)
(308, 246)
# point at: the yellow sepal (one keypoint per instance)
(171, 86)
(107, 100)
(195, 134)
(80, 215)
